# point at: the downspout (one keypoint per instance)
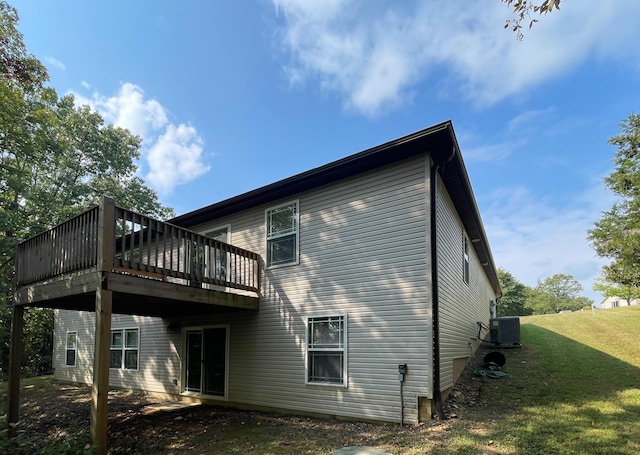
(437, 395)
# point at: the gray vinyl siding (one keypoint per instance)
(461, 305)
(363, 253)
(158, 360)
(83, 323)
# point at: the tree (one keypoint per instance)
(15, 62)
(56, 160)
(513, 298)
(610, 289)
(556, 293)
(616, 234)
(523, 10)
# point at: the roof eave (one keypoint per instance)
(372, 158)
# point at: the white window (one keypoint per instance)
(71, 349)
(282, 235)
(327, 350)
(221, 234)
(125, 345)
(465, 258)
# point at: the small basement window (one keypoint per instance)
(71, 349)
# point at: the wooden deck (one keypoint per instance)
(153, 268)
(111, 260)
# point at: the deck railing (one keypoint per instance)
(110, 238)
(68, 247)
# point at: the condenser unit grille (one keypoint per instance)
(505, 330)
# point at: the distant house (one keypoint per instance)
(615, 302)
(353, 290)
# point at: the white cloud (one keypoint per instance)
(175, 158)
(372, 54)
(517, 134)
(536, 238)
(129, 109)
(171, 153)
(528, 121)
(535, 234)
(55, 63)
(492, 152)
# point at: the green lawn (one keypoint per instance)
(576, 390)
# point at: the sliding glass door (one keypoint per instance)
(206, 361)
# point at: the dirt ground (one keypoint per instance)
(57, 411)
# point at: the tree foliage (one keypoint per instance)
(524, 10)
(15, 62)
(551, 295)
(557, 293)
(56, 160)
(610, 289)
(514, 294)
(616, 235)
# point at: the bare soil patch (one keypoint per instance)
(56, 415)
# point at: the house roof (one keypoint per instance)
(439, 140)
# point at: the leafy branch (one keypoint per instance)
(524, 11)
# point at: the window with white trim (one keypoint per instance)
(327, 350)
(71, 349)
(219, 258)
(282, 234)
(465, 259)
(125, 345)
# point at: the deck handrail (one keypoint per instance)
(113, 239)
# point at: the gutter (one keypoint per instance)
(435, 319)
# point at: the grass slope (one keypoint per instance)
(576, 390)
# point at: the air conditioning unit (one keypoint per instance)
(505, 330)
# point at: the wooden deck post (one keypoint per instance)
(100, 389)
(106, 234)
(15, 361)
(104, 303)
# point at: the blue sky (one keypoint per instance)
(232, 95)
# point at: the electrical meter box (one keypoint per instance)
(505, 330)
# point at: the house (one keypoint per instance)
(352, 290)
(615, 302)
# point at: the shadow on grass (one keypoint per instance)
(562, 397)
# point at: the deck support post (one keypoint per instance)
(15, 361)
(100, 388)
